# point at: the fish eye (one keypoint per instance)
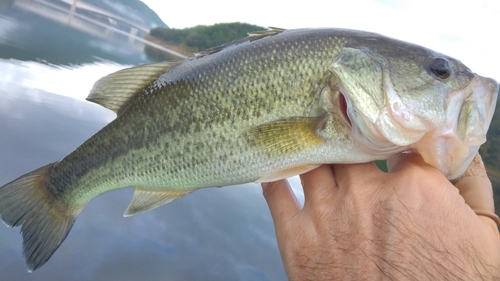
(440, 68)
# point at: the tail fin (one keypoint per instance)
(28, 202)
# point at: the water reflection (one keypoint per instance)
(46, 72)
(26, 36)
(72, 81)
(213, 234)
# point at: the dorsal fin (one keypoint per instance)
(252, 36)
(116, 89)
(147, 200)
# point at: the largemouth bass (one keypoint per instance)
(275, 104)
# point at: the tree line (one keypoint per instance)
(202, 37)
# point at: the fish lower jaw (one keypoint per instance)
(371, 141)
(381, 134)
(447, 153)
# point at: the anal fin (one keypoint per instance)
(286, 173)
(147, 200)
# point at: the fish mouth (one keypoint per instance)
(343, 107)
(365, 129)
(449, 145)
(452, 147)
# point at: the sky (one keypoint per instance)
(212, 234)
(467, 30)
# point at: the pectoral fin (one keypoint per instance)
(287, 136)
(147, 200)
(115, 90)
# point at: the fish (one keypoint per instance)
(274, 104)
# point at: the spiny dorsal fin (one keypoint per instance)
(252, 36)
(147, 200)
(287, 136)
(116, 89)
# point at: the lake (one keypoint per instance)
(47, 70)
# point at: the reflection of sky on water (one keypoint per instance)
(212, 234)
(8, 27)
(30, 37)
(72, 81)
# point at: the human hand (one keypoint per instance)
(359, 223)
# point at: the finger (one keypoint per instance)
(282, 202)
(318, 184)
(356, 175)
(476, 189)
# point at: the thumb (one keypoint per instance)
(476, 189)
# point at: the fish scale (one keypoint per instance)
(275, 104)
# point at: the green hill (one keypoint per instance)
(196, 39)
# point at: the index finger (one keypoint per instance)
(475, 187)
(281, 200)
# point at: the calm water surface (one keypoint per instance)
(46, 71)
